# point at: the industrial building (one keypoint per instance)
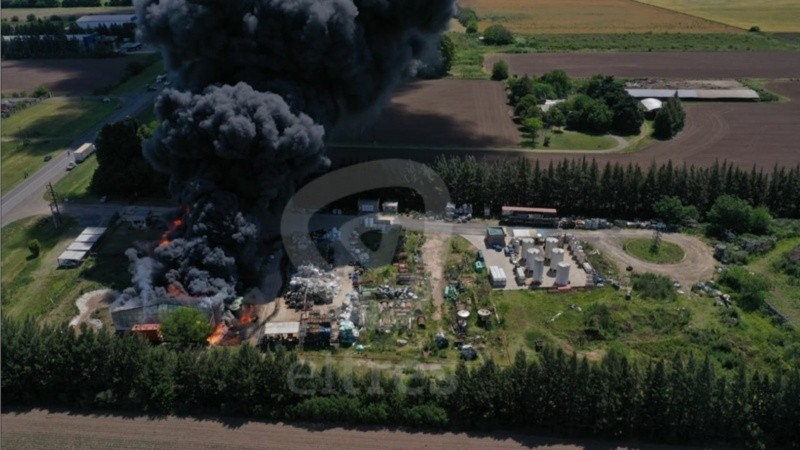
(79, 249)
(135, 218)
(368, 206)
(286, 334)
(105, 20)
(696, 94)
(495, 236)
(523, 215)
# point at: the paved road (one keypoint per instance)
(26, 198)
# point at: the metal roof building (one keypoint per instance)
(651, 104)
(107, 20)
(695, 94)
(77, 251)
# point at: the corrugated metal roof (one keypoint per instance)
(705, 94)
(107, 18)
(271, 328)
(91, 238)
(71, 255)
(80, 246)
(651, 104)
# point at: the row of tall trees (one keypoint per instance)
(684, 400)
(670, 119)
(584, 187)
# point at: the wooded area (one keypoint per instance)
(679, 401)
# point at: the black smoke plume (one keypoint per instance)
(257, 83)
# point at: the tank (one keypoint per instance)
(530, 255)
(549, 244)
(527, 244)
(556, 257)
(562, 274)
(538, 270)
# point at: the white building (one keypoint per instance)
(99, 20)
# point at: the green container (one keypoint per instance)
(479, 266)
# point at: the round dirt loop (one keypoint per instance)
(697, 264)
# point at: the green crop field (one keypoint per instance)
(773, 16)
(44, 129)
(667, 253)
(572, 140)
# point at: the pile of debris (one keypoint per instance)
(312, 286)
(392, 293)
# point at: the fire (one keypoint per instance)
(174, 291)
(219, 333)
(176, 223)
(248, 314)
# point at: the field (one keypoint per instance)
(572, 140)
(668, 253)
(57, 430)
(75, 185)
(8, 13)
(694, 65)
(44, 129)
(772, 16)
(62, 76)
(53, 293)
(588, 16)
(444, 113)
(138, 82)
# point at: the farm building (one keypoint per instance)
(495, 236)
(105, 20)
(529, 216)
(650, 106)
(696, 94)
(79, 249)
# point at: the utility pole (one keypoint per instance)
(54, 206)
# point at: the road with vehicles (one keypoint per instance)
(26, 198)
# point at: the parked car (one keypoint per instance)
(48, 157)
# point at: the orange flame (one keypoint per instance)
(172, 227)
(174, 291)
(248, 314)
(219, 333)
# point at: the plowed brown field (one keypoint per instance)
(62, 76)
(42, 430)
(692, 65)
(761, 134)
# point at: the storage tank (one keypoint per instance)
(538, 270)
(562, 274)
(549, 244)
(530, 256)
(556, 257)
(527, 244)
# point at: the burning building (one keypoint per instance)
(257, 85)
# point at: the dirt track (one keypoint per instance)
(62, 76)
(697, 265)
(657, 64)
(60, 431)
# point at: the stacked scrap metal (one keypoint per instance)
(312, 285)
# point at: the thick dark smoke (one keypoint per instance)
(256, 85)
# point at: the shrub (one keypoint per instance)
(657, 287)
(35, 247)
(497, 35)
(500, 70)
(760, 220)
(729, 213)
(528, 106)
(41, 91)
(749, 290)
(755, 29)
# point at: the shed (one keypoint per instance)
(368, 206)
(281, 328)
(71, 258)
(391, 207)
(495, 236)
(135, 217)
(651, 104)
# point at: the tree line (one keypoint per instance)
(680, 401)
(584, 187)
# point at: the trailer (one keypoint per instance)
(83, 152)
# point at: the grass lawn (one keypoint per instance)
(668, 253)
(75, 186)
(44, 129)
(644, 329)
(773, 16)
(138, 83)
(573, 140)
(785, 293)
(36, 287)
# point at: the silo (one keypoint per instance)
(556, 257)
(538, 270)
(562, 274)
(527, 244)
(530, 257)
(549, 244)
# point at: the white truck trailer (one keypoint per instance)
(83, 152)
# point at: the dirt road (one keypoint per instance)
(697, 265)
(433, 254)
(60, 431)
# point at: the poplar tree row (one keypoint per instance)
(584, 187)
